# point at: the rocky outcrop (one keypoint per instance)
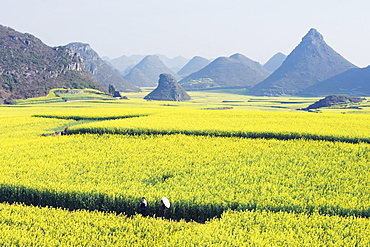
(29, 68)
(333, 100)
(168, 89)
(101, 71)
(311, 62)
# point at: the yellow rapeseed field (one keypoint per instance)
(274, 178)
(32, 226)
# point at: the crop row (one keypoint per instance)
(34, 226)
(279, 125)
(202, 176)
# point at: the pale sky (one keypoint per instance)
(209, 28)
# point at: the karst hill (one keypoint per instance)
(311, 62)
(195, 64)
(226, 72)
(30, 68)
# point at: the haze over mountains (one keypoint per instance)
(147, 71)
(275, 62)
(125, 63)
(195, 64)
(312, 61)
(29, 68)
(99, 70)
(174, 64)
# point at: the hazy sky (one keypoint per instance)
(209, 28)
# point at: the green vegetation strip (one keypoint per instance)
(216, 133)
(202, 176)
(183, 210)
(245, 124)
(79, 118)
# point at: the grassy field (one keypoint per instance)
(252, 171)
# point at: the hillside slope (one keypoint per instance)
(101, 71)
(29, 68)
(355, 82)
(136, 77)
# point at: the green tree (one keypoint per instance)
(111, 89)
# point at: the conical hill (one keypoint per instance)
(136, 77)
(195, 64)
(312, 61)
(226, 72)
(275, 62)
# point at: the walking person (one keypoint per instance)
(143, 206)
(165, 204)
(162, 210)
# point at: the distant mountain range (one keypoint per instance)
(147, 71)
(311, 62)
(174, 64)
(275, 62)
(226, 72)
(195, 64)
(125, 63)
(100, 71)
(29, 68)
